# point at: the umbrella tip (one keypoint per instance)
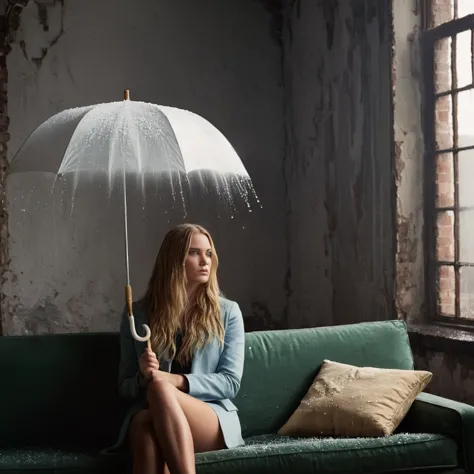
(126, 95)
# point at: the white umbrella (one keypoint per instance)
(129, 138)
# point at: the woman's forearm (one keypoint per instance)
(177, 380)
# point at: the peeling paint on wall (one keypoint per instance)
(339, 161)
(44, 22)
(9, 24)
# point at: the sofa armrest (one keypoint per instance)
(433, 414)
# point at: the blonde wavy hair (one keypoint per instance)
(166, 298)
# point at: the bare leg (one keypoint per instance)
(183, 426)
(147, 455)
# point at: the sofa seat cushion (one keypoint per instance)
(263, 454)
(15, 461)
(275, 454)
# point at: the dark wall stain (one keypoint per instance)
(261, 319)
(12, 20)
(296, 5)
(42, 15)
(275, 8)
(449, 354)
(330, 8)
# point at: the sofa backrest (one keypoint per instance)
(61, 390)
(281, 365)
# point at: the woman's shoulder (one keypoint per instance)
(229, 308)
(226, 303)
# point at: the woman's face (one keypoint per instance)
(197, 263)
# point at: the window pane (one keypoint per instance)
(442, 65)
(445, 180)
(466, 118)
(463, 59)
(465, 7)
(466, 232)
(443, 124)
(467, 292)
(445, 236)
(446, 292)
(466, 178)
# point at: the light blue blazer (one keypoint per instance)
(215, 375)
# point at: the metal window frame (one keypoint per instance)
(428, 41)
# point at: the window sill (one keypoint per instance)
(441, 338)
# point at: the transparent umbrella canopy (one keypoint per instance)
(130, 141)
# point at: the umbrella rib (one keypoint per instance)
(125, 212)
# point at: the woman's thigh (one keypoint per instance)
(202, 419)
(203, 422)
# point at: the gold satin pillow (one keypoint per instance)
(345, 400)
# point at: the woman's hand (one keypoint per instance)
(148, 364)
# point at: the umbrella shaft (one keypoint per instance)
(125, 218)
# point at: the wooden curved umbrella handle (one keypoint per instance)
(131, 319)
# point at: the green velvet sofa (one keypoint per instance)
(59, 407)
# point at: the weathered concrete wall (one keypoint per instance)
(218, 59)
(409, 156)
(448, 354)
(453, 374)
(339, 161)
(4, 50)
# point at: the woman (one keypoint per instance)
(182, 396)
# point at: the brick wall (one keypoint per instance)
(441, 13)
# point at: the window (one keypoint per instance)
(448, 57)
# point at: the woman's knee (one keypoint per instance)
(159, 390)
